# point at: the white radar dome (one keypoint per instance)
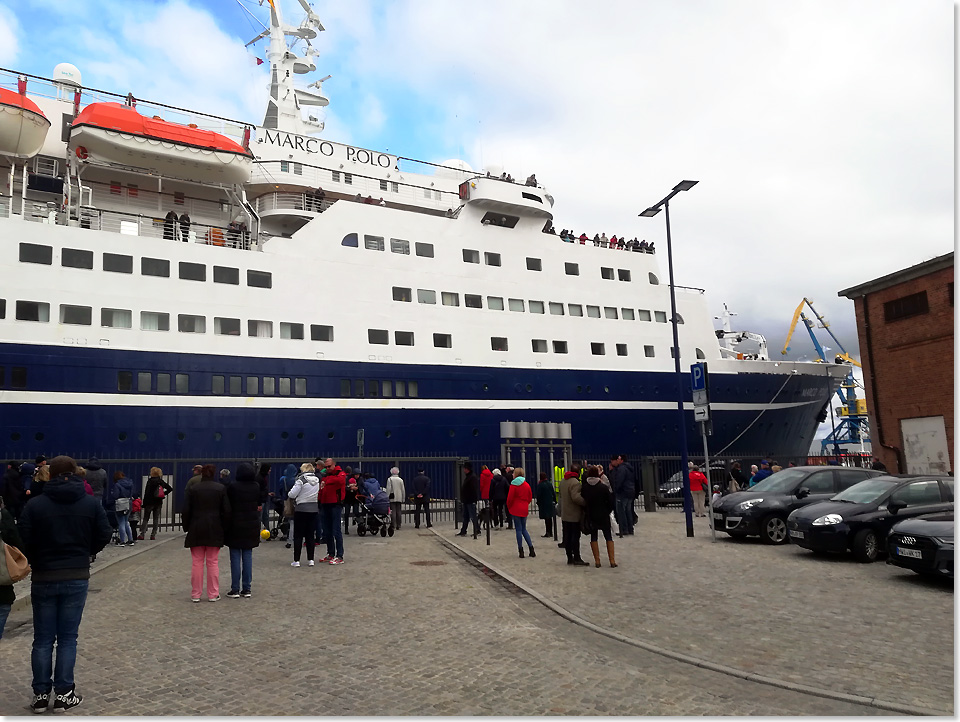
(67, 74)
(453, 168)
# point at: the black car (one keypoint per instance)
(763, 509)
(924, 545)
(671, 491)
(859, 518)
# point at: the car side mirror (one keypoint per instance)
(894, 506)
(802, 492)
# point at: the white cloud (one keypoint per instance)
(9, 34)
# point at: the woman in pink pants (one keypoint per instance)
(206, 513)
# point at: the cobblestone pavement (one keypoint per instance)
(872, 630)
(403, 628)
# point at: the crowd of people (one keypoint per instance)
(600, 240)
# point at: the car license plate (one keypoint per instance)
(717, 516)
(909, 553)
(796, 533)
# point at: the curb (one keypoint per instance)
(24, 601)
(687, 659)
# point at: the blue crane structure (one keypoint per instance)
(854, 427)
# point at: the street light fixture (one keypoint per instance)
(649, 213)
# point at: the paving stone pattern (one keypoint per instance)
(873, 630)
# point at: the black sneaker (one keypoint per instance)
(246, 594)
(233, 594)
(66, 701)
(40, 702)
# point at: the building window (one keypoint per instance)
(609, 312)
(491, 259)
(116, 188)
(660, 316)
(654, 281)
(259, 329)
(259, 279)
(449, 298)
(75, 258)
(606, 273)
(32, 253)
(593, 311)
(575, 309)
(154, 321)
(373, 243)
(159, 267)
(224, 274)
(571, 269)
(424, 249)
(378, 336)
(534, 264)
(351, 240)
(191, 324)
(471, 300)
(621, 349)
(321, 333)
(293, 331)
(116, 318)
(597, 349)
(515, 304)
(403, 338)
(192, 271)
(536, 306)
(912, 305)
(76, 315)
(33, 311)
(498, 343)
(226, 326)
(402, 294)
(400, 246)
(425, 295)
(648, 351)
(559, 346)
(623, 274)
(539, 345)
(117, 263)
(442, 340)
(627, 314)
(471, 256)
(643, 314)
(556, 309)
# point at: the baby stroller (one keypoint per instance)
(281, 527)
(374, 514)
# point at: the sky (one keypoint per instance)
(821, 131)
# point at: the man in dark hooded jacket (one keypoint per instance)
(621, 478)
(469, 493)
(420, 486)
(61, 529)
(96, 477)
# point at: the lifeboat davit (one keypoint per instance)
(23, 127)
(117, 134)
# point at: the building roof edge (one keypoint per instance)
(892, 279)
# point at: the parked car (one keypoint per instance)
(924, 545)
(762, 510)
(671, 491)
(860, 518)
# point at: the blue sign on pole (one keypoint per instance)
(698, 376)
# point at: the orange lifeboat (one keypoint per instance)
(117, 134)
(23, 126)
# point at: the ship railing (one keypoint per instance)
(143, 201)
(284, 201)
(690, 289)
(6, 205)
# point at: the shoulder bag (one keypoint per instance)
(122, 504)
(13, 565)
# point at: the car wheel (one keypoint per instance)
(773, 530)
(866, 548)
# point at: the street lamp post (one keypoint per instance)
(649, 213)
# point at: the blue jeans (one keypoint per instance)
(330, 513)
(57, 609)
(624, 514)
(4, 613)
(520, 524)
(123, 527)
(241, 559)
(470, 514)
(319, 532)
(265, 513)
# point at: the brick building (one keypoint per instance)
(905, 327)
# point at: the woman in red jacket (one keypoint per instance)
(698, 489)
(518, 504)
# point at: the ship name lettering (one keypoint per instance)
(360, 155)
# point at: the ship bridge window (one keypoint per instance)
(187, 323)
(351, 240)
(495, 303)
(76, 315)
(378, 336)
(398, 245)
(621, 349)
(534, 264)
(498, 219)
(559, 346)
(571, 269)
(623, 274)
(403, 338)
(154, 321)
(425, 295)
(32, 253)
(627, 314)
(471, 256)
(531, 197)
(597, 349)
(225, 274)
(575, 309)
(539, 345)
(259, 279)
(643, 314)
(660, 316)
(593, 311)
(116, 318)
(155, 267)
(471, 300)
(491, 259)
(606, 273)
(498, 343)
(190, 271)
(373, 243)
(402, 294)
(654, 281)
(442, 340)
(33, 311)
(226, 326)
(321, 333)
(648, 351)
(609, 312)
(293, 331)
(75, 258)
(424, 249)
(515, 304)
(556, 309)
(117, 263)
(449, 298)
(536, 306)
(260, 329)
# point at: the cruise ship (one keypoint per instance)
(182, 285)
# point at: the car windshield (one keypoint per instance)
(866, 491)
(780, 483)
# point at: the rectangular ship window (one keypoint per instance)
(187, 323)
(284, 386)
(373, 243)
(253, 385)
(442, 340)
(621, 349)
(449, 298)
(556, 309)
(471, 300)
(117, 263)
(400, 246)
(300, 386)
(226, 326)
(116, 318)
(571, 269)
(643, 314)
(471, 256)
(154, 321)
(539, 345)
(606, 273)
(259, 329)
(124, 381)
(183, 383)
(76, 315)
(648, 351)
(293, 331)
(515, 304)
(225, 274)
(217, 384)
(609, 312)
(627, 314)
(373, 388)
(425, 295)
(75, 258)
(235, 385)
(534, 264)
(559, 346)
(660, 316)
(403, 338)
(575, 309)
(491, 259)
(387, 389)
(18, 377)
(33, 311)
(359, 388)
(593, 311)
(536, 306)
(321, 333)
(495, 303)
(597, 349)
(155, 267)
(424, 249)
(379, 336)
(383, 185)
(259, 279)
(163, 383)
(623, 274)
(401, 389)
(345, 387)
(402, 294)
(269, 385)
(498, 343)
(413, 389)
(192, 271)
(33, 253)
